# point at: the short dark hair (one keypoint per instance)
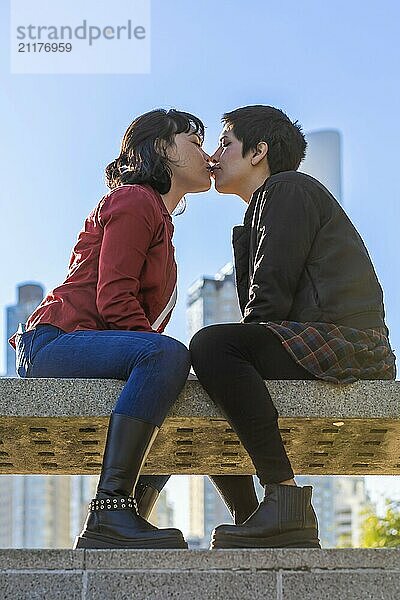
(258, 123)
(142, 159)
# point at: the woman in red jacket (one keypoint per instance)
(105, 320)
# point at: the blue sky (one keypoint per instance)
(330, 65)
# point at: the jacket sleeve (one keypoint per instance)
(287, 225)
(130, 221)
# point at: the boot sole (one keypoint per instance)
(102, 542)
(283, 540)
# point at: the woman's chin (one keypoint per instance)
(219, 186)
(204, 187)
(219, 183)
(199, 186)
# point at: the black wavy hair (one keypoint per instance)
(286, 142)
(143, 157)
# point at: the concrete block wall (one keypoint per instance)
(356, 574)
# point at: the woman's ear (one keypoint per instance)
(259, 153)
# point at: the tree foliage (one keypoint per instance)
(382, 531)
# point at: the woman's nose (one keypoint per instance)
(216, 156)
(206, 156)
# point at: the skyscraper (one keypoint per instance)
(324, 159)
(34, 511)
(29, 296)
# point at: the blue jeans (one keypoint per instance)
(154, 366)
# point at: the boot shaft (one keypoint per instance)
(128, 443)
(292, 505)
(146, 497)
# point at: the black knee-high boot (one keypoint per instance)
(145, 496)
(113, 520)
(284, 519)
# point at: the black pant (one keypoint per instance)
(231, 362)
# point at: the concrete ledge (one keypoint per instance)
(60, 425)
(97, 397)
(190, 574)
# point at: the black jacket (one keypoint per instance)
(298, 257)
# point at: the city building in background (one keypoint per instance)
(82, 490)
(324, 159)
(29, 296)
(162, 514)
(206, 510)
(35, 511)
(212, 300)
(351, 500)
(339, 503)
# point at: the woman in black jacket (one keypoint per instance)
(312, 309)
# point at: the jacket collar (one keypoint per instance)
(248, 215)
(157, 194)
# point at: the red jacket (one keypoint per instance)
(122, 271)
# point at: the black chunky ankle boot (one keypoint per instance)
(113, 520)
(284, 519)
